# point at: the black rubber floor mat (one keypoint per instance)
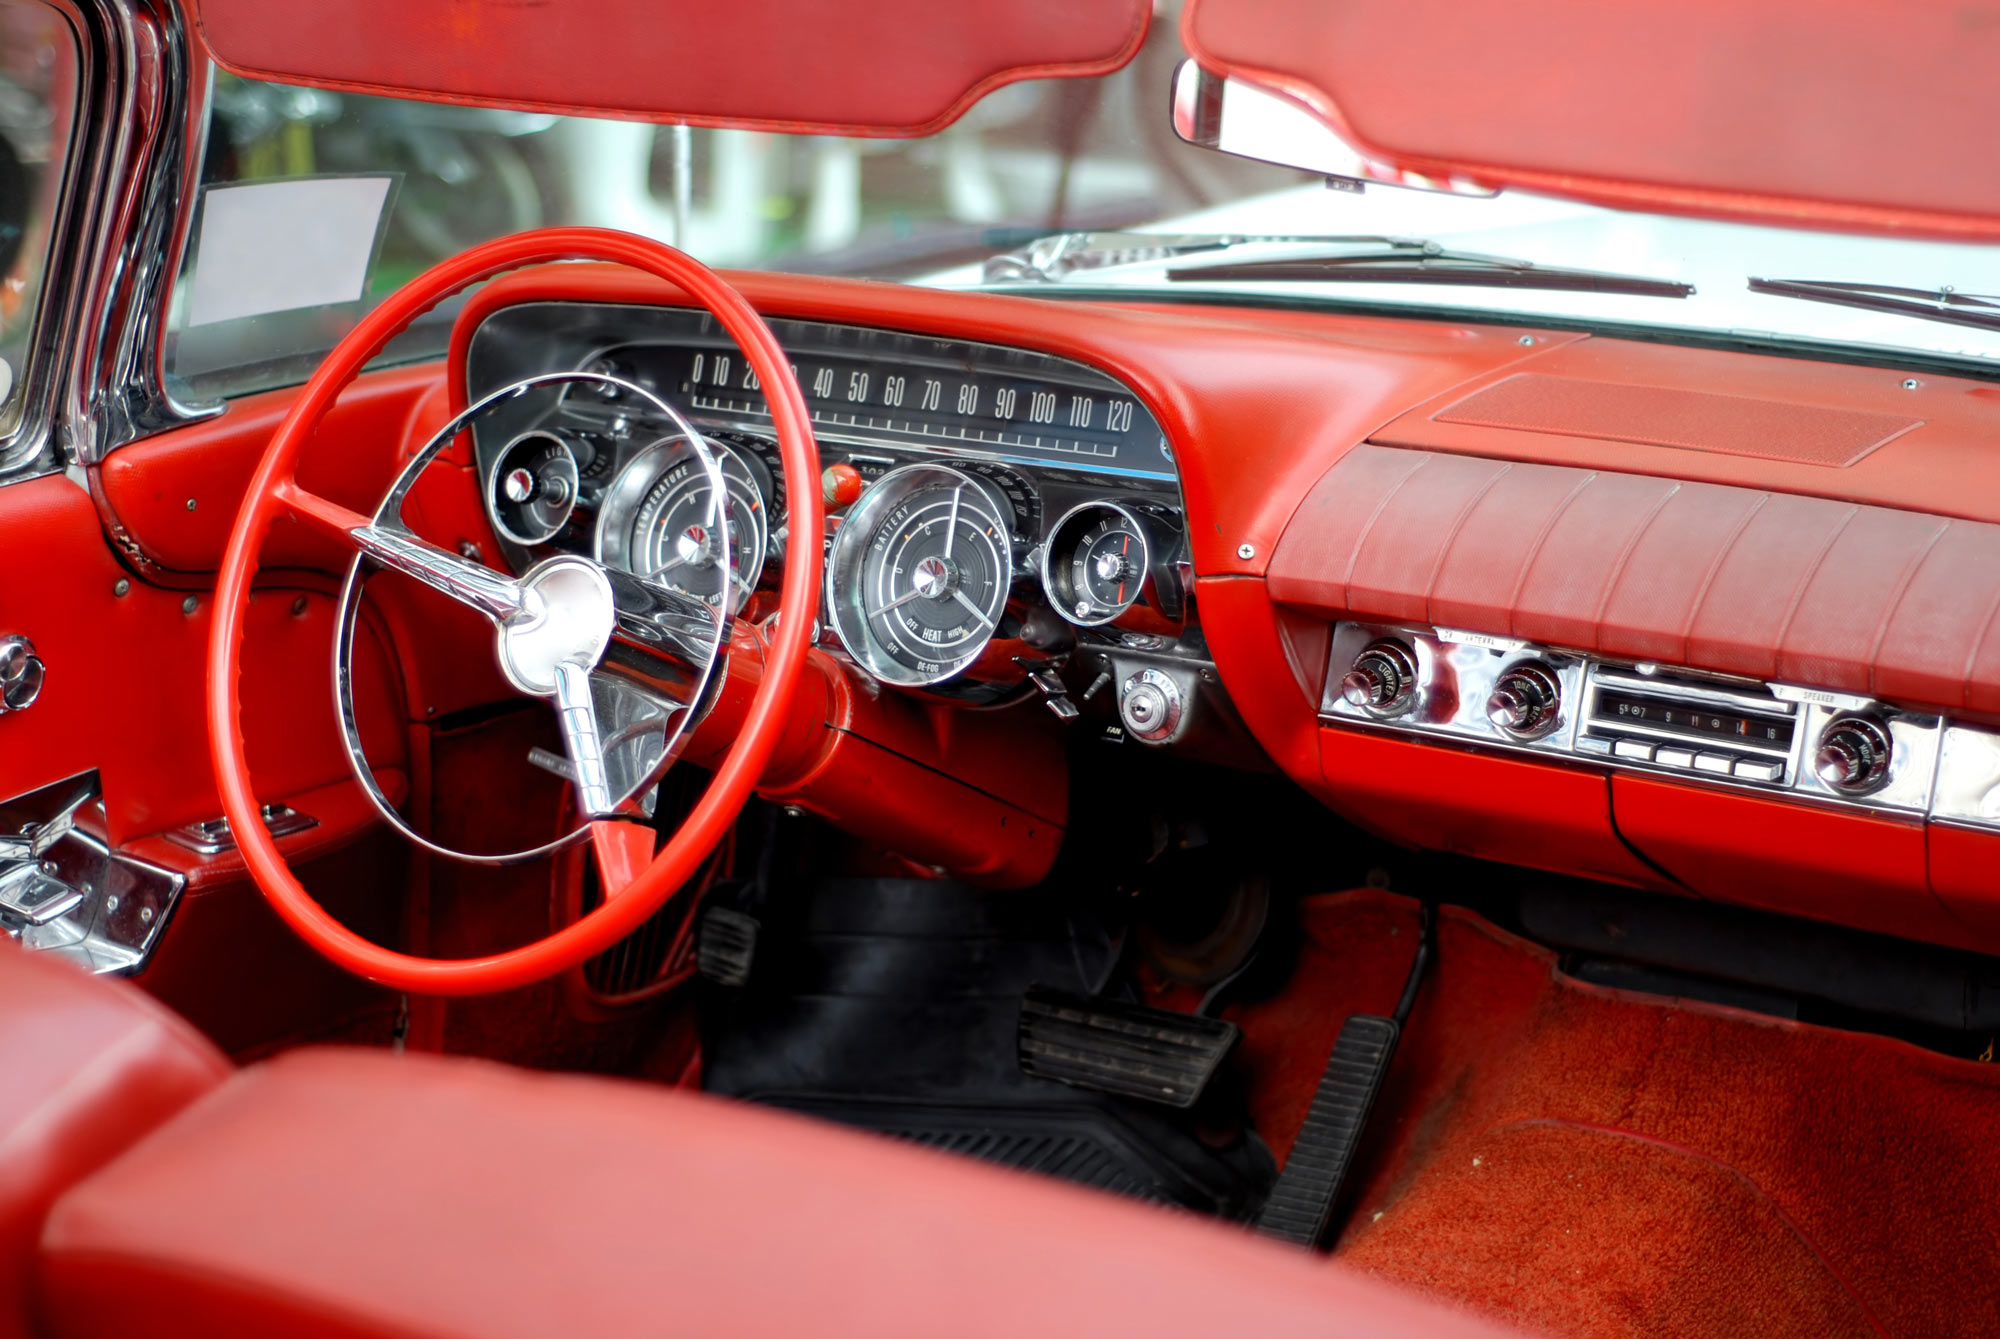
(1091, 1148)
(894, 1005)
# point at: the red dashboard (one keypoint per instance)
(1833, 526)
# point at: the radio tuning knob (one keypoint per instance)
(1383, 679)
(1526, 701)
(1854, 754)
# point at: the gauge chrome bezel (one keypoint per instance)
(846, 569)
(629, 489)
(1065, 607)
(547, 529)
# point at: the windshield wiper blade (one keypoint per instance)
(1055, 257)
(1969, 309)
(1407, 262)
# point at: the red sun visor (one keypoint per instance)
(868, 67)
(1867, 115)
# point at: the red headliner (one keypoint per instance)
(889, 67)
(1857, 115)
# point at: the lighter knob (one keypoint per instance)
(1382, 680)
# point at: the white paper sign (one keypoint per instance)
(272, 246)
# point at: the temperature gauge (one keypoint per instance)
(1097, 562)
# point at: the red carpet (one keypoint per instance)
(1586, 1162)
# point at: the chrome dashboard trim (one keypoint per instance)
(32, 449)
(156, 113)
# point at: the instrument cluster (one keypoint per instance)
(988, 508)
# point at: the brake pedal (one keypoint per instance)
(1127, 1050)
(725, 945)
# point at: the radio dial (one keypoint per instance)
(1383, 679)
(1854, 754)
(1526, 701)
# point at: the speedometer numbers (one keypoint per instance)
(919, 574)
(661, 522)
(1097, 561)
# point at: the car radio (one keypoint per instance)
(1513, 695)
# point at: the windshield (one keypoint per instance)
(424, 181)
(1027, 160)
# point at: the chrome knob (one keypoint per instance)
(1383, 679)
(519, 485)
(21, 674)
(1150, 705)
(1526, 701)
(1854, 754)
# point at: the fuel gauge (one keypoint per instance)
(1097, 562)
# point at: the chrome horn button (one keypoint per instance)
(566, 618)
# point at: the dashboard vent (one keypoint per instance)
(1730, 425)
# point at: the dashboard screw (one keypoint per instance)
(190, 604)
(1527, 339)
(190, 504)
(1246, 551)
(1911, 383)
(468, 549)
(299, 607)
(121, 587)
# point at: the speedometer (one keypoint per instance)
(919, 574)
(661, 522)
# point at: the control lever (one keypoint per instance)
(1046, 675)
(38, 839)
(29, 893)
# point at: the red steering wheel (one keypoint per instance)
(274, 492)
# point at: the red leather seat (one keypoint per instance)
(87, 1066)
(344, 1193)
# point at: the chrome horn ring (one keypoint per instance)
(629, 665)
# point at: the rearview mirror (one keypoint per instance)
(1234, 117)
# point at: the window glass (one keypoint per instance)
(37, 109)
(1027, 160)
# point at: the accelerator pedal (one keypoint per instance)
(1127, 1050)
(1302, 1200)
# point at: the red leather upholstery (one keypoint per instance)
(86, 1067)
(1830, 594)
(349, 1193)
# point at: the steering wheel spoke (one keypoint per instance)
(492, 593)
(582, 740)
(322, 514)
